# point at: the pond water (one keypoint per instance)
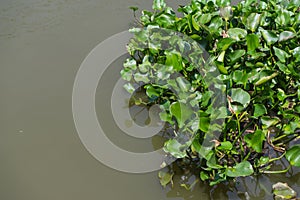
(42, 45)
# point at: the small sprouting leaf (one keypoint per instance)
(259, 110)
(129, 88)
(252, 42)
(240, 96)
(281, 54)
(293, 155)
(286, 35)
(159, 4)
(133, 8)
(195, 24)
(241, 169)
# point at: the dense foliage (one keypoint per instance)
(237, 112)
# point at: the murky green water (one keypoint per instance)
(42, 44)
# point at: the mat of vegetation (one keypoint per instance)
(227, 79)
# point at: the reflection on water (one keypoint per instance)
(43, 43)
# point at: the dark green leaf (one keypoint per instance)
(259, 110)
(252, 42)
(255, 140)
(293, 155)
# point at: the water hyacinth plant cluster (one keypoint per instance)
(235, 111)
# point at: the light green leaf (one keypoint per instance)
(158, 4)
(165, 178)
(269, 36)
(234, 56)
(286, 35)
(176, 149)
(253, 21)
(225, 146)
(281, 54)
(241, 96)
(237, 33)
(241, 169)
(205, 18)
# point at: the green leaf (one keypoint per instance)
(224, 43)
(225, 146)
(165, 178)
(181, 112)
(176, 149)
(133, 8)
(282, 191)
(286, 35)
(296, 54)
(253, 21)
(252, 42)
(237, 33)
(226, 12)
(283, 17)
(205, 18)
(259, 110)
(255, 140)
(195, 24)
(158, 4)
(269, 36)
(241, 96)
(264, 79)
(215, 24)
(234, 56)
(129, 88)
(204, 123)
(241, 169)
(152, 92)
(174, 60)
(268, 121)
(281, 55)
(293, 155)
